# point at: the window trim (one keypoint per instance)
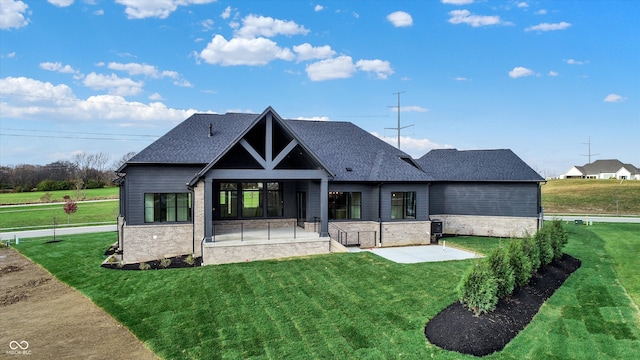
(159, 207)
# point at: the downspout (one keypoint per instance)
(380, 212)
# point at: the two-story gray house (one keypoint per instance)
(241, 187)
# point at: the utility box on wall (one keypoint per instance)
(436, 231)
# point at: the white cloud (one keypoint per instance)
(242, 51)
(253, 26)
(156, 97)
(307, 52)
(134, 69)
(457, 2)
(140, 9)
(314, 118)
(318, 8)
(552, 73)
(113, 84)
(413, 108)
(461, 78)
(226, 13)
(412, 146)
(98, 12)
(381, 68)
(61, 3)
(465, 17)
(42, 99)
(522, 5)
(520, 71)
(541, 12)
(614, 98)
(67, 69)
(339, 68)
(12, 14)
(549, 26)
(400, 19)
(576, 62)
(207, 24)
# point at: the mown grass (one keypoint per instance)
(58, 196)
(348, 305)
(39, 216)
(589, 196)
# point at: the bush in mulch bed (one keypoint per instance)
(457, 329)
(176, 262)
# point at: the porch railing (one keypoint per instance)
(365, 238)
(248, 231)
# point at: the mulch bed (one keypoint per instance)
(176, 262)
(456, 328)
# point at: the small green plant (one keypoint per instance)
(478, 289)
(144, 266)
(498, 262)
(190, 260)
(164, 263)
(519, 262)
(111, 259)
(120, 264)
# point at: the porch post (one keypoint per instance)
(324, 207)
(208, 209)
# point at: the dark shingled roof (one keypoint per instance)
(477, 165)
(338, 145)
(348, 152)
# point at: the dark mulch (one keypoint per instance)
(456, 328)
(176, 262)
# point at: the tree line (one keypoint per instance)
(84, 171)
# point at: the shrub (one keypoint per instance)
(532, 252)
(543, 239)
(519, 262)
(559, 238)
(478, 288)
(190, 260)
(499, 264)
(144, 266)
(164, 263)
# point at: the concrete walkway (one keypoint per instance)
(422, 253)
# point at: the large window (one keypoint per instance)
(228, 200)
(167, 207)
(403, 205)
(345, 205)
(251, 199)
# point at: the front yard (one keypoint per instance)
(349, 305)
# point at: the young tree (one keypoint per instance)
(70, 207)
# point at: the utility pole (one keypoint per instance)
(399, 127)
(589, 149)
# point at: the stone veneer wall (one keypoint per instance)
(403, 233)
(500, 226)
(154, 242)
(234, 252)
(198, 217)
(369, 231)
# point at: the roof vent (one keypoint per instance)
(349, 169)
(210, 130)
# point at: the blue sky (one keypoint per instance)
(537, 77)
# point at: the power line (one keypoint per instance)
(71, 137)
(78, 132)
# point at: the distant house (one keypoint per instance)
(603, 169)
(241, 187)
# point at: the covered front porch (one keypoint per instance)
(252, 240)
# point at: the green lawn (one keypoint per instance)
(38, 216)
(591, 196)
(58, 196)
(349, 306)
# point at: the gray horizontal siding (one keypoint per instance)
(490, 199)
(153, 179)
(422, 200)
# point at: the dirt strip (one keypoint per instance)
(42, 318)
